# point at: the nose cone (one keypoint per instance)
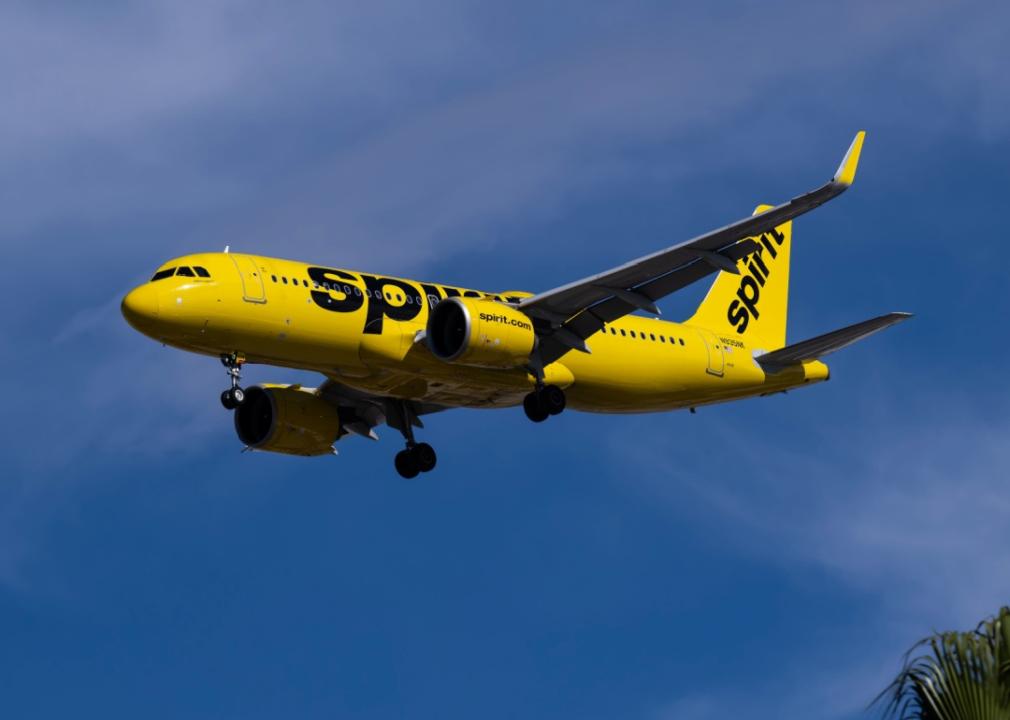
(140, 307)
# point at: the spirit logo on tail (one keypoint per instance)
(744, 308)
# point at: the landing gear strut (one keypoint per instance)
(543, 402)
(235, 395)
(417, 457)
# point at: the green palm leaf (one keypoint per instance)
(961, 676)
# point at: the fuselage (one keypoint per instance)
(364, 329)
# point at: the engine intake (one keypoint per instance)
(287, 419)
(481, 333)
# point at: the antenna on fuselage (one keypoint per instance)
(226, 249)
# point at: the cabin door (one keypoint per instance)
(253, 289)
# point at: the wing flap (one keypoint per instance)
(822, 345)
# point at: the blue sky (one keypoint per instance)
(772, 558)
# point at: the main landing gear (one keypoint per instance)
(543, 402)
(417, 457)
(235, 395)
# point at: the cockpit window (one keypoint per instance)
(202, 272)
(162, 274)
(184, 272)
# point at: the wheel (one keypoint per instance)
(552, 398)
(406, 464)
(237, 395)
(227, 401)
(534, 408)
(424, 457)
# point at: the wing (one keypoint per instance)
(818, 347)
(360, 411)
(566, 316)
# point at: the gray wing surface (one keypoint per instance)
(566, 316)
(361, 411)
(822, 345)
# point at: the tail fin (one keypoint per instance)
(752, 304)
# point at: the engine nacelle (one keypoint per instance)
(287, 419)
(482, 333)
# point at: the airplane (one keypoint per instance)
(394, 350)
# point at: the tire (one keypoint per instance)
(237, 395)
(406, 465)
(552, 398)
(424, 457)
(226, 400)
(534, 408)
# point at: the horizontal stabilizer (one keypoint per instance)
(818, 347)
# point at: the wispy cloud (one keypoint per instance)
(902, 508)
(241, 124)
(906, 508)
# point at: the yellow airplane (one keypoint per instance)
(393, 350)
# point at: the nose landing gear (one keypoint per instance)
(235, 395)
(544, 402)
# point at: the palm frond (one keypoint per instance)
(957, 676)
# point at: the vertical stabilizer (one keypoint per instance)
(751, 305)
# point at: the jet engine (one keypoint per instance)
(481, 333)
(287, 419)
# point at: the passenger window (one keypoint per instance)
(162, 274)
(653, 337)
(633, 333)
(682, 341)
(184, 272)
(202, 272)
(662, 339)
(623, 334)
(305, 282)
(284, 280)
(274, 278)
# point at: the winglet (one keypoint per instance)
(846, 172)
